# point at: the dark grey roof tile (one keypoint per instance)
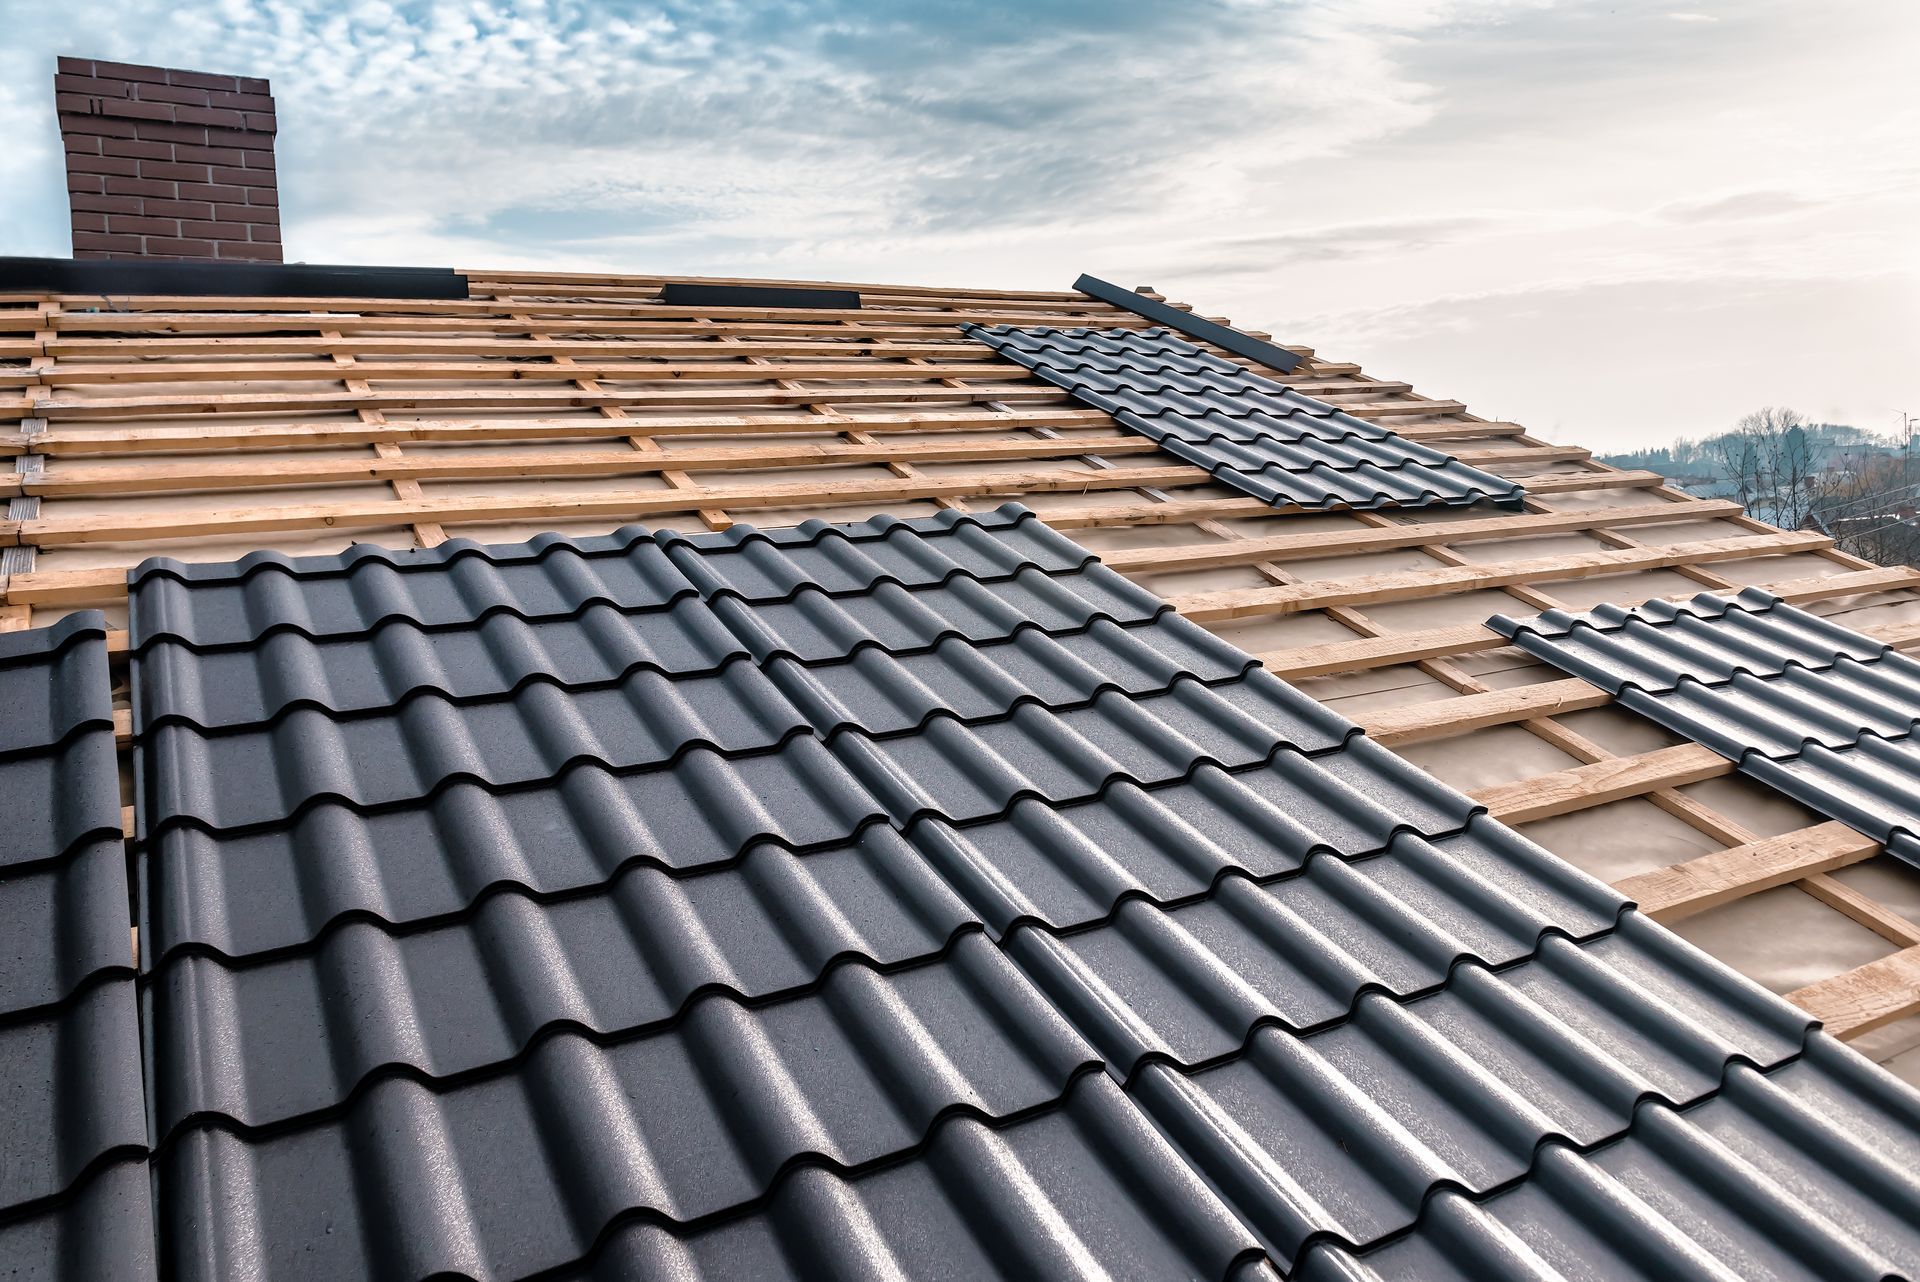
(1781, 715)
(963, 772)
(245, 893)
(397, 659)
(60, 798)
(1873, 786)
(1189, 986)
(1710, 639)
(101, 1232)
(1087, 1182)
(1194, 980)
(813, 627)
(59, 779)
(1067, 864)
(70, 1078)
(634, 571)
(1088, 1190)
(1803, 1172)
(294, 1034)
(63, 924)
(237, 779)
(842, 559)
(1816, 711)
(53, 683)
(73, 1128)
(698, 1121)
(1238, 425)
(877, 693)
(874, 1056)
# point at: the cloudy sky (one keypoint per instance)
(1613, 222)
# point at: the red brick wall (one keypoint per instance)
(168, 164)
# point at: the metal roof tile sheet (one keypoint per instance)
(866, 989)
(280, 886)
(102, 1231)
(634, 570)
(872, 1057)
(1710, 639)
(73, 1131)
(1802, 1172)
(1246, 430)
(1819, 712)
(1086, 1186)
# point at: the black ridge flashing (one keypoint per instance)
(682, 294)
(120, 277)
(1254, 349)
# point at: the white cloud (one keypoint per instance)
(1379, 169)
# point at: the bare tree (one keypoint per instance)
(1871, 509)
(1776, 463)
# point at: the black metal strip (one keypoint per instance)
(684, 294)
(1199, 327)
(120, 277)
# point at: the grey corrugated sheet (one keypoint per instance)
(1178, 977)
(1811, 708)
(1248, 431)
(73, 1134)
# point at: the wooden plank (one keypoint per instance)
(931, 326)
(1857, 583)
(1395, 409)
(269, 402)
(1363, 653)
(1599, 782)
(622, 505)
(1866, 997)
(956, 348)
(1409, 585)
(1415, 722)
(66, 587)
(1224, 552)
(147, 477)
(1680, 890)
(1579, 482)
(201, 437)
(720, 369)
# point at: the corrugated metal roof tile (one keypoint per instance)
(1815, 710)
(873, 1056)
(863, 993)
(1803, 1172)
(1710, 639)
(73, 1132)
(634, 570)
(278, 887)
(1248, 431)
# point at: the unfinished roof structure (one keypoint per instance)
(635, 776)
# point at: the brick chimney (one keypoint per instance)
(168, 164)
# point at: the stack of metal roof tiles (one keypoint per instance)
(73, 1132)
(1816, 710)
(916, 896)
(1248, 431)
